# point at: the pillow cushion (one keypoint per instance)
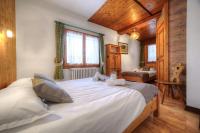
(98, 76)
(41, 76)
(20, 106)
(116, 82)
(24, 82)
(136, 70)
(152, 69)
(146, 68)
(50, 91)
(113, 75)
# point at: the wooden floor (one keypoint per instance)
(172, 119)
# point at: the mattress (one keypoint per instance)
(97, 108)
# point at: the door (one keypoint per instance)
(162, 45)
(112, 61)
(118, 61)
(118, 65)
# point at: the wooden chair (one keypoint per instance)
(174, 83)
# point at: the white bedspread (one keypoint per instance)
(97, 108)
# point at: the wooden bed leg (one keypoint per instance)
(156, 112)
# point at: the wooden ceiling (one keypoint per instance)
(125, 15)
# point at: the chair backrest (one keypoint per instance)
(177, 70)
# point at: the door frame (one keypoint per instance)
(165, 18)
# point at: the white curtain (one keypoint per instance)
(92, 49)
(151, 53)
(74, 47)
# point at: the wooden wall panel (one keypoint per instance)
(177, 32)
(7, 45)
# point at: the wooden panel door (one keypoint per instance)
(118, 61)
(113, 59)
(162, 45)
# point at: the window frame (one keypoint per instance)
(148, 53)
(65, 64)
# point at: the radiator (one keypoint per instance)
(79, 73)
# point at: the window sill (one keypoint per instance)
(151, 62)
(67, 66)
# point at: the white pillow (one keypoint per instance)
(136, 69)
(24, 82)
(98, 76)
(152, 69)
(116, 82)
(20, 106)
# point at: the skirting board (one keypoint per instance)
(192, 109)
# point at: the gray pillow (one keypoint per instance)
(50, 92)
(41, 76)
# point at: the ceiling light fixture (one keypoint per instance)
(135, 35)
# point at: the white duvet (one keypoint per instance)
(97, 108)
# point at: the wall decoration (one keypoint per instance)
(123, 47)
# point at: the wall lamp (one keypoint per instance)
(5, 34)
(9, 33)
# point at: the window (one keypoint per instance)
(81, 50)
(152, 53)
(92, 50)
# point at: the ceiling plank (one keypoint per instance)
(124, 15)
(152, 5)
(143, 7)
(131, 27)
(117, 14)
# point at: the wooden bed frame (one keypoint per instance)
(151, 107)
(137, 79)
(8, 68)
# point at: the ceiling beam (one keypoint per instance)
(140, 4)
(130, 27)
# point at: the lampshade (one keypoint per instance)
(135, 35)
(9, 33)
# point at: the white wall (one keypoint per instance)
(36, 36)
(131, 60)
(193, 53)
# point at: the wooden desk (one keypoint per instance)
(171, 86)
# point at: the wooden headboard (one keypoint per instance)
(7, 45)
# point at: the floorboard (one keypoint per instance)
(173, 119)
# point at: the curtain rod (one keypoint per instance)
(79, 28)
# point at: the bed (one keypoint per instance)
(139, 76)
(97, 108)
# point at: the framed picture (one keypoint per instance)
(123, 47)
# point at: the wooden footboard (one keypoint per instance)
(134, 78)
(139, 79)
(151, 107)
